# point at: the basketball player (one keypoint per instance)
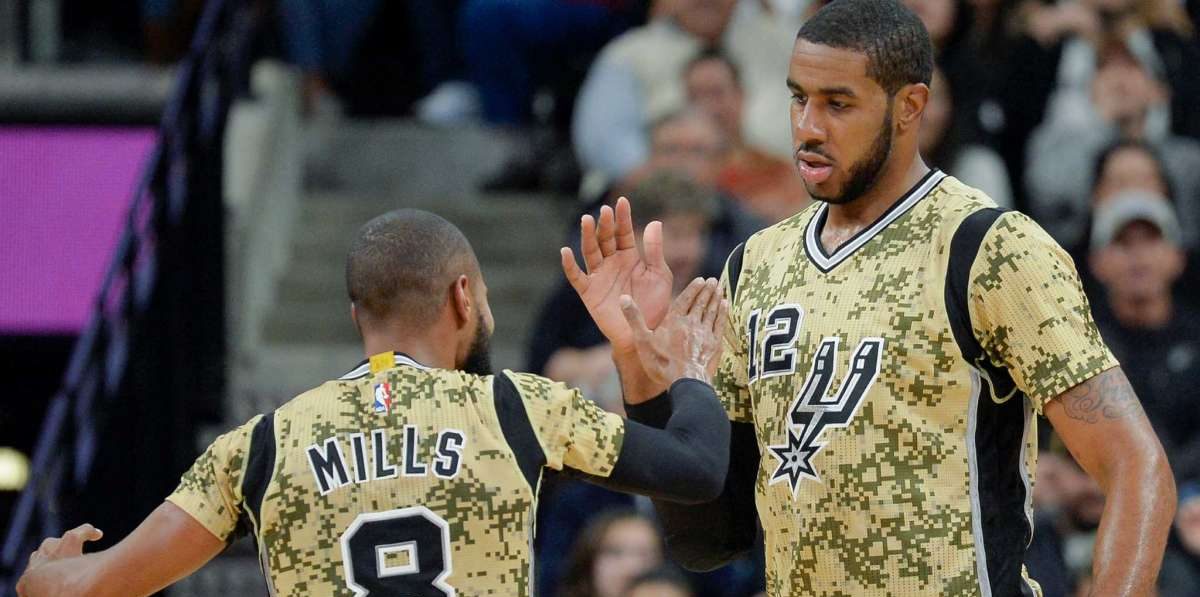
(890, 349)
(416, 473)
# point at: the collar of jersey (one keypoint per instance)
(364, 367)
(812, 235)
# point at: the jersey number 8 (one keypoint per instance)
(404, 552)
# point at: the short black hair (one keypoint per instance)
(899, 51)
(715, 53)
(401, 264)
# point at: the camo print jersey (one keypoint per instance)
(893, 384)
(404, 481)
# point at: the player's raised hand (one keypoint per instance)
(687, 343)
(615, 267)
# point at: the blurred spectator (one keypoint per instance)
(513, 47)
(638, 79)
(764, 184)
(1060, 555)
(448, 98)
(320, 38)
(662, 582)
(1058, 46)
(566, 345)
(949, 24)
(1180, 575)
(1137, 257)
(1122, 102)
(614, 549)
(947, 144)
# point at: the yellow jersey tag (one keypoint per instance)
(382, 362)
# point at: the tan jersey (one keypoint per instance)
(398, 479)
(892, 385)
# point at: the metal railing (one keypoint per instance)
(156, 332)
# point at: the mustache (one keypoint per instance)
(814, 149)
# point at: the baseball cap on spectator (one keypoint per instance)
(1134, 206)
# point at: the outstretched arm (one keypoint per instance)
(166, 547)
(1103, 425)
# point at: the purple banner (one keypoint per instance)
(64, 195)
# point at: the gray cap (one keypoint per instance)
(1134, 206)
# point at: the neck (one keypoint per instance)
(439, 355)
(1143, 312)
(849, 218)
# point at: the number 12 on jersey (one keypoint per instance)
(398, 553)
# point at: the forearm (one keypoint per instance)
(687, 460)
(1138, 510)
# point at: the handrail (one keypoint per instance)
(178, 193)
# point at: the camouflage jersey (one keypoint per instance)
(892, 385)
(398, 479)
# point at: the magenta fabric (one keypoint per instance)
(64, 196)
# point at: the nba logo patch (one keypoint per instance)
(383, 397)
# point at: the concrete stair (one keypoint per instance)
(364, 169)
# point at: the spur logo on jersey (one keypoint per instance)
(383, 397)
(814, 409)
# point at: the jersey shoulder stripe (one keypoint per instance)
(518, 429)
(260, 463)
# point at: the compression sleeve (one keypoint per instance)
(707, 535)
(685, 461)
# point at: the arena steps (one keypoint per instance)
(360, 169)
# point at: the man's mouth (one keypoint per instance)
(814, 168)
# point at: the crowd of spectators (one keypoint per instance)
(1084, 114)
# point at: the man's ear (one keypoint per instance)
(1098, 263)
(910, 105)
(460, 298)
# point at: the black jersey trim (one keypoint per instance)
(997, 425)
(518, 430)
(259, 465)
(825, 262)
(733, 269)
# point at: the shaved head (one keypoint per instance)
(402, 264)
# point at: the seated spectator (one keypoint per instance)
(320, 37)
(567, 346)
(614, 549)
(1060, 556)
(1180, 574)
(1137, 258)
(512, 48)
(766, 185)
(662, 582)
(1124, 102)
(949, 24)
(946, 143)
(1058, 46)
(638, 79)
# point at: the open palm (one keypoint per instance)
(616, 267)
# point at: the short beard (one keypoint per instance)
(479, 356)
(865, 173)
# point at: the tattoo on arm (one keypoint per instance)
(1106, 396)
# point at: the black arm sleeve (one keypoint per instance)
(685, 461)
(711, 534)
